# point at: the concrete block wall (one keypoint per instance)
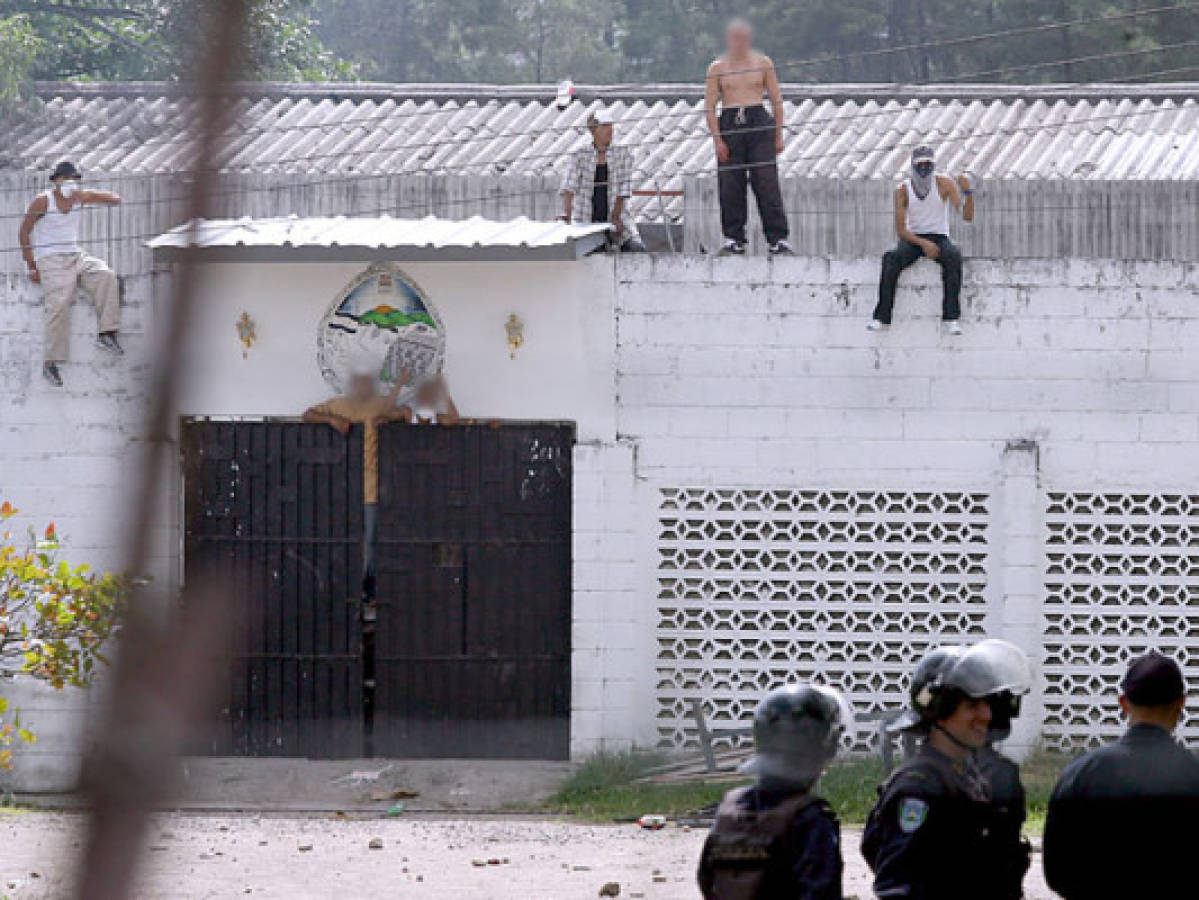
(72, 456)
(1072, 375)
(610, 646)
(730, 367)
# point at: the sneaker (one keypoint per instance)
(733, 248)
(876, 325)
(107, 341)
(954, 327)
(781, 248)
(50, 373)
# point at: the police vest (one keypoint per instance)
(749, 850)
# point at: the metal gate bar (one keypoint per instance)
(278, 505)
(473, 640)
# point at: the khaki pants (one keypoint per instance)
(61, 274)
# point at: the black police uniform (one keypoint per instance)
(1122, 821)
(1010, 808)
(772, 843)
(931, 835)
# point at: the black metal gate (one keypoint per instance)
(472, 652)
(277, 506)
(468, 653)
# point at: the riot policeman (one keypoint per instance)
(1122, 818)
(935, 832)
(775, 838)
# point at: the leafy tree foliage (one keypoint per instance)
(54, 621)
(608, 40)
(19, 46)
(154, 39)
(810, 40)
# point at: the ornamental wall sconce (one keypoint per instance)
(246, 333)
(515, 329)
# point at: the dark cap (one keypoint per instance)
(923, 153)
(1153, 680)
(66, 169)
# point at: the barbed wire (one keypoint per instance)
(1019, 31)
(1093, 57)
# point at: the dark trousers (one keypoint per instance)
(370, 527)
(749, 133)
(906, 253)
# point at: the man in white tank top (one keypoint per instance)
(49, 239)
(922, 205)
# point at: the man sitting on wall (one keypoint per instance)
(49, 241)
(598, 184)
(364, 406)
(922, 204)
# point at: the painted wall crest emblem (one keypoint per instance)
(382, 322)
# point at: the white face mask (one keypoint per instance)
(68, 189)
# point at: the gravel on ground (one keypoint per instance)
(193, 856)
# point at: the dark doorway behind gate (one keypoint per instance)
(467, 653)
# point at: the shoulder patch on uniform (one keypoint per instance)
(912, 813)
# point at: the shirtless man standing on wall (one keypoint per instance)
(748, 139)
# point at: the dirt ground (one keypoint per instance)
(191, 856)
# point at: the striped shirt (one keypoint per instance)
(579, 179)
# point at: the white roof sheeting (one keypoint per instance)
(353, 238)
(1106, 132)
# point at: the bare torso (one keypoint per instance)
(741, 82)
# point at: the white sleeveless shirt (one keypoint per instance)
(56, 231)
(930, 215)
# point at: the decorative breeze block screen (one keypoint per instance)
(1121, 579)
(758, 588)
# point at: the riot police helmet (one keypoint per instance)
(796, 731)
(991, 669)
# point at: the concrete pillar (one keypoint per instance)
(1021, 576)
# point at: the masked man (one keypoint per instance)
(49, 240)
(598, 184)
(935, 832)
(776, 838)
(922, 204)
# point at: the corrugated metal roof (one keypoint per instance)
(427, 238)
(1101, 132)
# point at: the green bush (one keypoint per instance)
(54, 620)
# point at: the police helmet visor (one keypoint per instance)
(991, 667)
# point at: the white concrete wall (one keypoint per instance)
(1071, 376)
(563, 371)
(71, 455)
(679, 371)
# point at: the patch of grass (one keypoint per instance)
(605, 788)
(1040, 773)
(851, 786)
